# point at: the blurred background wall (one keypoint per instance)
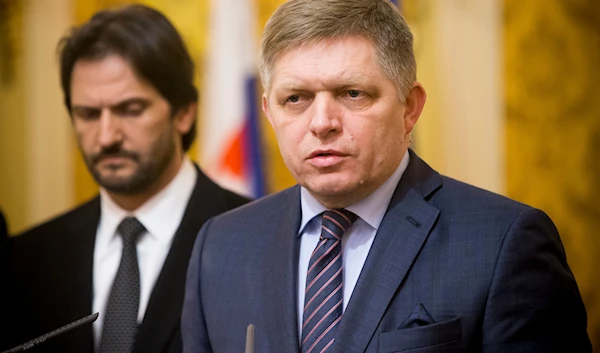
(511, 106)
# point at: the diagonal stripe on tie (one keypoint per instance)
(327, 321)
(322, 242)
(320, 306)
(329, 330)
(324, 284)
(323, 287)
(329, 263)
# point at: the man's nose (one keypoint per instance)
(110, 129)
(327, 114)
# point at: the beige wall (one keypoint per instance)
(553, 126)
(35, 178)
(35, 142)
(13, 185)
(459, 61)
(48, 130)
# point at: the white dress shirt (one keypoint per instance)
(161, 216)
(356, 241)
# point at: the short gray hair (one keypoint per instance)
(299, 22)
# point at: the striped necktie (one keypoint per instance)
(324, 284)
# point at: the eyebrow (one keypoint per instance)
(358, 79)
(118, 105)
(298, 85)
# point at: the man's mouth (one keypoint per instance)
(325, 158)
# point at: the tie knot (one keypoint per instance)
(335, 222)
(130, 229)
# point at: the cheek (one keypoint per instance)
(377, 141)
(394, 130)
(290, 137)
(143, 133)
(84, 137)
(390, 150)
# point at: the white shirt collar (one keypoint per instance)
(156, 214)
(370, 209)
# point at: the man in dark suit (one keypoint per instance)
(373, 251)
(128, 84)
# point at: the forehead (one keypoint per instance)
(349, 59)
(106, 81)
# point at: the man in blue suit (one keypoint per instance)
(373, 251)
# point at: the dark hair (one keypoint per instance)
(148, 41)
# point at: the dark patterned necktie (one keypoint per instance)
(324, 293)
(120, 322)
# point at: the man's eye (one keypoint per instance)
(293, 98)
(86, 113)
(353, 93)
(133, 109)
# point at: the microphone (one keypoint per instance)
(39, 340)
(250, 339)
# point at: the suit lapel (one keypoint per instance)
(278, 305)
(162, 317)
(398, 241)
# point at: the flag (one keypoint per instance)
(230, 141)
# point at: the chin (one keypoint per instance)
(114, 180)
(123, 187)
(331, 188)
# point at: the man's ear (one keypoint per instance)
(265, 108)
(415, 100)
(185, 118)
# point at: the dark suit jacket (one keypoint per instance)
(3, 246)
(452, 269)
(51, 281)
(3, 227)
(3, 238)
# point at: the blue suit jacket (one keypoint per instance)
(452, 268)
